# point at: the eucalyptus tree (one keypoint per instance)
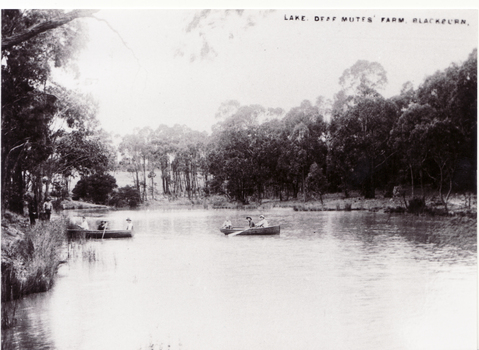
(408, 139)
(305, 135)
(363, 74)
(162, 152)
(453, 95)
(450, 134)
(362, 120)
(231, 154)
(186, 149)
(268, 146)
(363, 79)
(316, 181)
(360, 142)
(136, 150)
(436, 133)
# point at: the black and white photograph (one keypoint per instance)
(232, 178)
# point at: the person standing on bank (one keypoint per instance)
(47, 206)
(32, 210)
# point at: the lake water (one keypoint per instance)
(330, 280)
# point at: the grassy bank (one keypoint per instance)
(30, 257)
(70, 204)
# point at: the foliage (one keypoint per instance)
(436, 134)
(30, 264)
(425, 136)
(33, 107)
(363, 76)
(416, 205)
(178, 152)
(316, 181)
(95, 188)
(125, 196)
(359, 142)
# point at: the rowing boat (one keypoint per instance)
(80, 233)
(272, 230)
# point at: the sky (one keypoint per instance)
(165, 66)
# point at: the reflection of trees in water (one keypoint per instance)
(379, 231)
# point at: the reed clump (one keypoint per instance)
(30, 259)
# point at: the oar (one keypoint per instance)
(237, 233)
(104, 229)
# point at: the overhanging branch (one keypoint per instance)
(34, 30)
(119, 36)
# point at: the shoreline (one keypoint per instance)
(30, 255)
(457, 204)
(335, 202)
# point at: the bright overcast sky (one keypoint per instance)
(160, 77)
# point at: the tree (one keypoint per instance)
(177, 151)
(359, 145)
(316, 181)
(96, 187)
(361, 80)
(124, 196)
(408, 140)
(450, 133)
(136, 150)
(304, 130)
(16, 30)
(362, 77)
(231, 155)
(28, 106)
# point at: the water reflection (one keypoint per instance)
(335, 280)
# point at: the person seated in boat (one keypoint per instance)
(227, 223)
(263, 222)
(250, 222)
(84, 224)
(103, 225)
(129, 224)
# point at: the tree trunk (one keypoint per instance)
(412, 181)
(145, 195)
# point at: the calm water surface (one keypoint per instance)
(330, 280)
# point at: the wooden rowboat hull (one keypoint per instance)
(77, 233)
(272, 230)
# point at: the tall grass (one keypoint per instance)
(29, 265)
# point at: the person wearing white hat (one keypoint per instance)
(263, 222)
(84, 223)
(129, 225)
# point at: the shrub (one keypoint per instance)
(96, 187)
(126, 196)
(416, 205)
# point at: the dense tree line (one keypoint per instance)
(422, 138)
